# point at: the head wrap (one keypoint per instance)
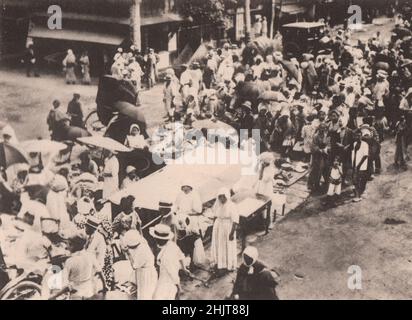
(252, 253)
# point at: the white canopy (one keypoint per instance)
(164, 185)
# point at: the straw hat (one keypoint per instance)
(93, 222)
(161, 232)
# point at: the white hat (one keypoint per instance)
(130, 169)
(161, 232)
(132, 239)
(266, 157)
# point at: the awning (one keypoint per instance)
(76, 35)
(292, 9)
(145, 21)
(165, 18)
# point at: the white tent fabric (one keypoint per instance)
(164, 185)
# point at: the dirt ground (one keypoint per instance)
(25, 102)
(312, 248)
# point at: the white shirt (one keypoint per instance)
(185, 77)
(187, 203)
(168, 261)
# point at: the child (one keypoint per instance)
(135, 139)
(335, 182)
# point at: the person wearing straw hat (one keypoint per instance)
(253, 280)
(224, 250)
(96, 243)
(169, 260)
(143, 263)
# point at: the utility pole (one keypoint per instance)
(279, 12)
(273, 18)
(248, 21)
(135, 24)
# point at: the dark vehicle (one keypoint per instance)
(302, 37)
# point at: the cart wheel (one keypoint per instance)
(25, 290)
(93, 124)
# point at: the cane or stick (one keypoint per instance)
(65, 290)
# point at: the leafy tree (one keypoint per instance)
(205, 11)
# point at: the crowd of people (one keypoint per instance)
(331, 109)
(335, 107)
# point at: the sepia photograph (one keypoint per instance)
(205, 150)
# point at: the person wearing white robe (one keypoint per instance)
(142, 260)
(188, 202)
(265, 181)
(8, 134)
(111, 175)
(224, 252)
(56, 200)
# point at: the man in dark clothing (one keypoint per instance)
(30, 61)
(55, 121)
(254, 281)
(74, 110)
(246, 120)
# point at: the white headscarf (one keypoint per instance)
(253, 253)
(225, 192)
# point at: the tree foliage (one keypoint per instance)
(205, 11)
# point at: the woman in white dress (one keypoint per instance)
(187, 202)
(56, 200)
(110, 174)
(69, 63)
(265, 182)
(224, 253)
(143, 264)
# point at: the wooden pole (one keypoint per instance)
(273, 20)
(135, 24)
(248, 21)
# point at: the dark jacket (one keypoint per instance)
(260, 285)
